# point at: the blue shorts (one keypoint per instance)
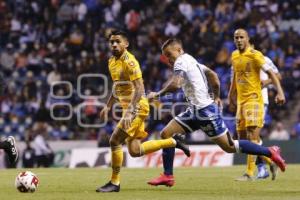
(207, 119)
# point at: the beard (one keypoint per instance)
(116, 53)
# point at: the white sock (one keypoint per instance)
(236, 146)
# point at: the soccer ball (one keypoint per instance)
(26, 182)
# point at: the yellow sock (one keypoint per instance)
(251, 164)
(116, 163)
(154, 145)
(267, 160)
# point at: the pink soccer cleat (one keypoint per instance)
(276, 157)
(167, 180)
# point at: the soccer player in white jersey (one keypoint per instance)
(203, 112)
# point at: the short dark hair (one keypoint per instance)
(169, 42)
(119, 32)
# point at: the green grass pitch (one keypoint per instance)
(191, 183)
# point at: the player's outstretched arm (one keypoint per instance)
(171, 86)
(214, 82)
(280, 98)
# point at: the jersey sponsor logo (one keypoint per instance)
(131, 63)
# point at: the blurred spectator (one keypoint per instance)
(7, 59)
(43, 152)
(296, 129)
(279, 133)
(42, 42)
(28, 157)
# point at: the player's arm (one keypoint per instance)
(214, 82)
(139, 91)
(267, 82)
(111, 100)
(280, 98)
(131, 110)
(232, 92)
(171, 85)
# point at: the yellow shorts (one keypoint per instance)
(137, 128)
(249, 114)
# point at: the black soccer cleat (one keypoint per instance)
(11, 150)
(109, 187)
(180, 144)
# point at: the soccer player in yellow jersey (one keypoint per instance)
(128, 89)
(245, 92)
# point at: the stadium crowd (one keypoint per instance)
(44, 41)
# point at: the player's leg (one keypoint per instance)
(9, 146)
(220, 135)
(262, 171)
(251, 113)
(136, 149)
(242, 135)
(245, 146)
(253, 136)
(167, 178)
(117, 139)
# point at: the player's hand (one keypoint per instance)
(231, 106)
(280, 99)
(152, 95)
(126, 120)
(104, 113)
(218, 101)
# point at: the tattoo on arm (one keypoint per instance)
(214, 82)
(173, 84)
(138, 93)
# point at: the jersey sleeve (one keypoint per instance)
(260, 61)
(180, 66)
(272, 65)
(133, 69)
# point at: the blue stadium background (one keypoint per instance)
(43, 41)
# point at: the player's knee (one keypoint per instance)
(228, 148)
(113, 142)
(165, 134)
(135, 152)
